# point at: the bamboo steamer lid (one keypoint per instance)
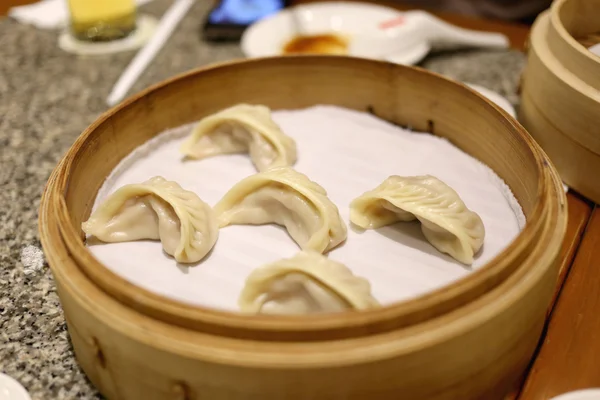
(561, 92)
(470, 340)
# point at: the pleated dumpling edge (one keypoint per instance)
(288, 198)
(446, 221)
(239, 129)
(160, 210)
(304, 284)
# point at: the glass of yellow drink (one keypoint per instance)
(102, 20)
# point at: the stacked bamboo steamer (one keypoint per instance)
(561, 91)
(470, 340)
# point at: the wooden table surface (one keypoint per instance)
(568, 357)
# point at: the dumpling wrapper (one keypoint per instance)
(157, 209)
(305, 284)
(288, 198)
(242, 128)
(446, 221)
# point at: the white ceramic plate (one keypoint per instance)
(361, 24)
(268, 36)
(10, 389)
(587, 394)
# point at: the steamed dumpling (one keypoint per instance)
(241, 129)
(304, 284)
(157, 209)
(285, 197)
(445, 220)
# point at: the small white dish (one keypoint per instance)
(268, 36)
(370, 31)
(586, 394)
(10, 389)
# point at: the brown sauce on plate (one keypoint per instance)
(316, 44)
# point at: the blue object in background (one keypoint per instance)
(244, 12)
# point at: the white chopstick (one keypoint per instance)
(141, 60)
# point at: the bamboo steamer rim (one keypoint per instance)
(187, 343)
(568, 77)
(573, 168)
(558, 25)
(540, 49)
(308, 327)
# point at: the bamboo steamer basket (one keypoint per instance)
(469, 340)
(561, 91)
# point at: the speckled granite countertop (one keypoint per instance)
(47, 97)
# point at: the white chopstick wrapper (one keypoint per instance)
(165, 28)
